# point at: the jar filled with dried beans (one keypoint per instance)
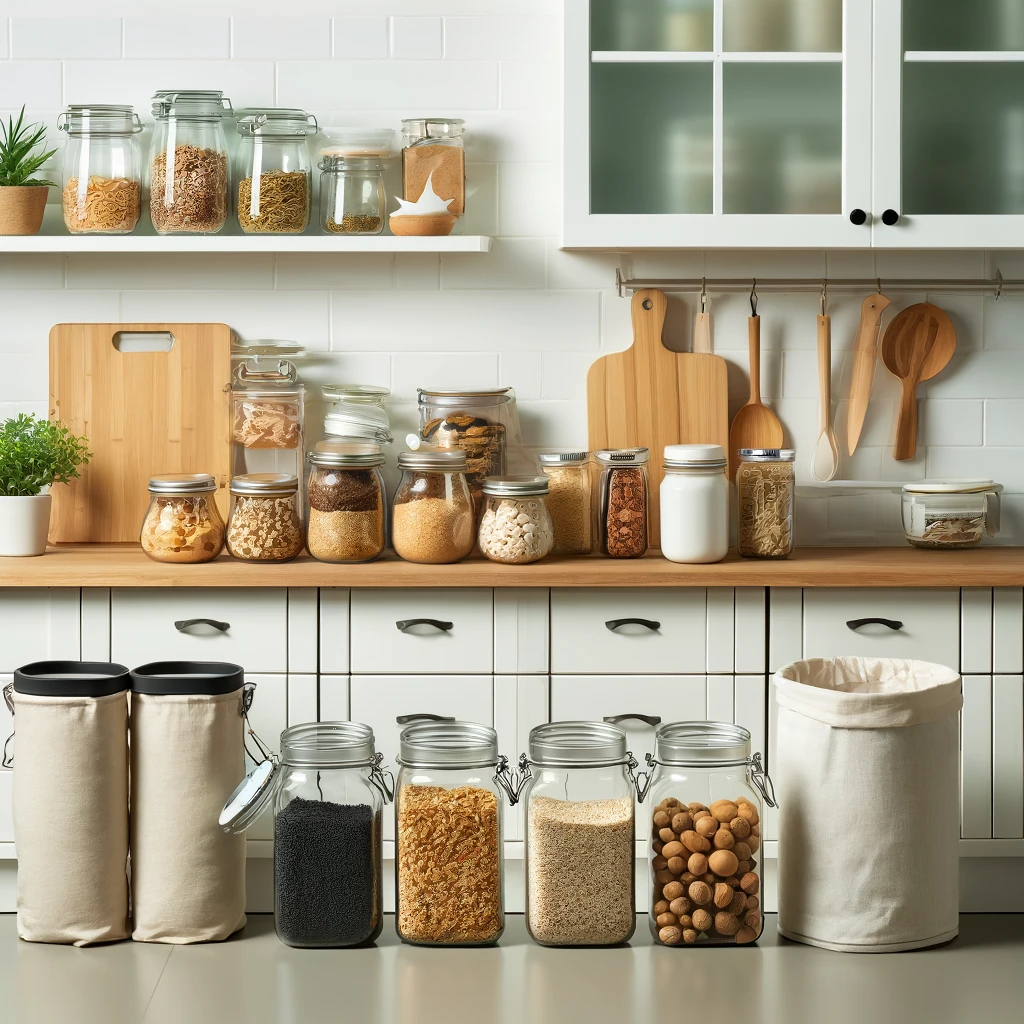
(264, 525)
(622, 502)
(433, 149)
(347, 503)
(568, 476)
(516, 526)
(766, 495)
(433, 521)
(182, 523)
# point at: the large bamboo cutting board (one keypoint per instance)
(649, 396)
(144, 413)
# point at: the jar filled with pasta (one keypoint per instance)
(182, 523)
(766, 493)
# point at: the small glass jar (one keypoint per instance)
(102, 176)
(695, 504)
(579, 835)
(432, 520)
(265, 524)
(516, 526)
(766, 495)
(188, 174)
(347, 502)
(356, 412)
(433, 149)
(705, 834)
(274, 172)
(622, 502)
(352, 196)
(568, 476)
(182, 523)
(950, 514)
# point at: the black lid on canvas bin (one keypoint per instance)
(71, 679)
(179, 678)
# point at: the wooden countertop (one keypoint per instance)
(124, 565)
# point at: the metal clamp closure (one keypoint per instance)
(760, 778)
(8, 758)
(383, 781)
(248, 693)
(641, 780)
(512, 782)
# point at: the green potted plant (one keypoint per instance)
(34, 454)
(22, 197)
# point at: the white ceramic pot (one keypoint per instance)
(24, 524)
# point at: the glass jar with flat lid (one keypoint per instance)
(568, 476)
(265, 524)
(623, 502)
(182, 523)
(433, 521)
(516, 526)
(347, 503)
(950, 513)
(766, 499)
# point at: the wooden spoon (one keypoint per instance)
(755, 425)
(825, 463)
(918, 344)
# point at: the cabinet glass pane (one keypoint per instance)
(956, 25)
(782, 138)
(783, 26)
(652, 24)
(651, 145)
(963, 138)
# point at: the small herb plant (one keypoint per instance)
(19, 156)
(35, 453)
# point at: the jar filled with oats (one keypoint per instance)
(182, 523)
(265, 524)
(766, 495)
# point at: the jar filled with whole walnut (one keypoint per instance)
(182, 523)
(623, 497)
(766, 496)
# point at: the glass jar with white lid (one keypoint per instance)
(695, 504)
(950, 513)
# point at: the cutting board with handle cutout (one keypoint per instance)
(151, 399)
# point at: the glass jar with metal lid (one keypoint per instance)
(623, 502)
(449, 804)
(347, 503)
(516, 526)
(433, 150)
(766, 498)
(188, 174)
(704, 828)
(569, 502)
(102, 173)
(356, 412)
(182, 523)
(950, 513)
(579, 835)
(433, 520)
(695, 504)
(265, 524)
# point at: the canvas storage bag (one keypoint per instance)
(71, 801)
(866, 770)
(187, 756)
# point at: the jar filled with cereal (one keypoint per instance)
(516, 526)
(622, 502)
(182, 523)
(265, 524)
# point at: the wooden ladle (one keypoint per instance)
(918, 344)
(755, 425)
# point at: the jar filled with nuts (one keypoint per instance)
(622, 502)
(182, 523)
(705, 829)
(264, 525)
(516, 527)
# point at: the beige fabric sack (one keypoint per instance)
(866, 772)
(71, 817)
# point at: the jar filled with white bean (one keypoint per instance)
(516, 526)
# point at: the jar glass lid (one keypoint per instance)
(767, 454)
(696, 743)
(182, 483)
(695, 456)
(99, 119)
(577, 744)
(458, 396)
(623, 456)
(191, 104)
(515, 486)
(447, 744)
(966, 486)
(369, 394)
(265, 484)
(332, 457)
(563, 458)
(434, 127)
(327, 744)
(280, 122)
(448, 461)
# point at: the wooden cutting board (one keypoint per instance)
(144, 413)
(649, 396)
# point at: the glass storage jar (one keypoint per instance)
(579, 835)
(356, 412)
(274, 171)
(352, 196)
(622, 502)
(950, 513)
(188, 173)
(432, 520)
(102, 175)
(568, 476)
(182, 523)
(265, 524)
(347, 502)
(449, 805)
(705, 835)
(695, 504)
(766, 494)
(516, 525)
(433, 149)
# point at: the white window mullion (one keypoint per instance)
(718, 126)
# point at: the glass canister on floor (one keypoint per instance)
(516, 526)
(433, 149)
(766, 495)
(347, 504)
(705, 801)
(182, 523)
(432, 520)
(265, 524)
(102, 174)
(579, 835)
(622, 502)
(695, 504)
(568, 476)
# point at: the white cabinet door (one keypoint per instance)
(268, 716)
(976, 759)
(1007, 757)
(39, 624)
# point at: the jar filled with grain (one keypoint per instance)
(182, 523)
(568, 476)
(433, 521)
(579, 835)
(766, 496)
(265, 524)
(704, 829)
(622, 502)
(516, 526)
(347, 504)
(433, 149)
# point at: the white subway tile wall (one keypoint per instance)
(527, 314)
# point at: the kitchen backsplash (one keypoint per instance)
(526, 314)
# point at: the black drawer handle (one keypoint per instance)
(406, 624)
(183, 625)
(855, 624)
(651, 720)
(651, 624)
(406, 719)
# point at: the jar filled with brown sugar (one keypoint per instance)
(265, 524)
(766, 495)
(433, 521)
(433, 149)
(347, 503)
(568, 476)
(622, 502)
(182, 523)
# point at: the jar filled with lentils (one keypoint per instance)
(622, 502)
(347, 503)
(265, 525)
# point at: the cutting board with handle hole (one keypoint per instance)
(151, 399)
(649, 396)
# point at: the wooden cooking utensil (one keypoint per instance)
(865, 355)
(825, 463)
(755, 425)
(918, 344)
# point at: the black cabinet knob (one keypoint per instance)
(890, 217)
(858, 216)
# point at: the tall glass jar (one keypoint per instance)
(433, 521)
(265, 524)
(182, 523)
(579, 835)
(356, 412)
(766, 496)
(352, 196)
(705, 834)
(516, 526)
(695, 504)
(433, 149)
(622, 502)
(347, 503)
(102, 176)
(188, 174)
(568, 476)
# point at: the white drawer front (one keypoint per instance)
(379, 645)
(583, 641)
(930, 629)
(142, 625)
(39, 624)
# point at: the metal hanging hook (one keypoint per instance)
(878, 285)
(753, 297)
(999, 284)
(703, 294)
(824, 287)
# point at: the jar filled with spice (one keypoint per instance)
(264, 525)
(433, 521)
(102, 175)
(568, 476)
(182, 523)
(766, 494)
(347, 521)
(622, 502)
(695, 504)
(516, 525)
(433, 149)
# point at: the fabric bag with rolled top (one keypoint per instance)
(867, 773)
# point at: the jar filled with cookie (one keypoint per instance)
(182, 523)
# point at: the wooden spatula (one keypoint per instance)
(865, 355)
(755, 425)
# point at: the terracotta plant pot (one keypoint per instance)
(24, 523)
(21, 209)
(432, 224)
